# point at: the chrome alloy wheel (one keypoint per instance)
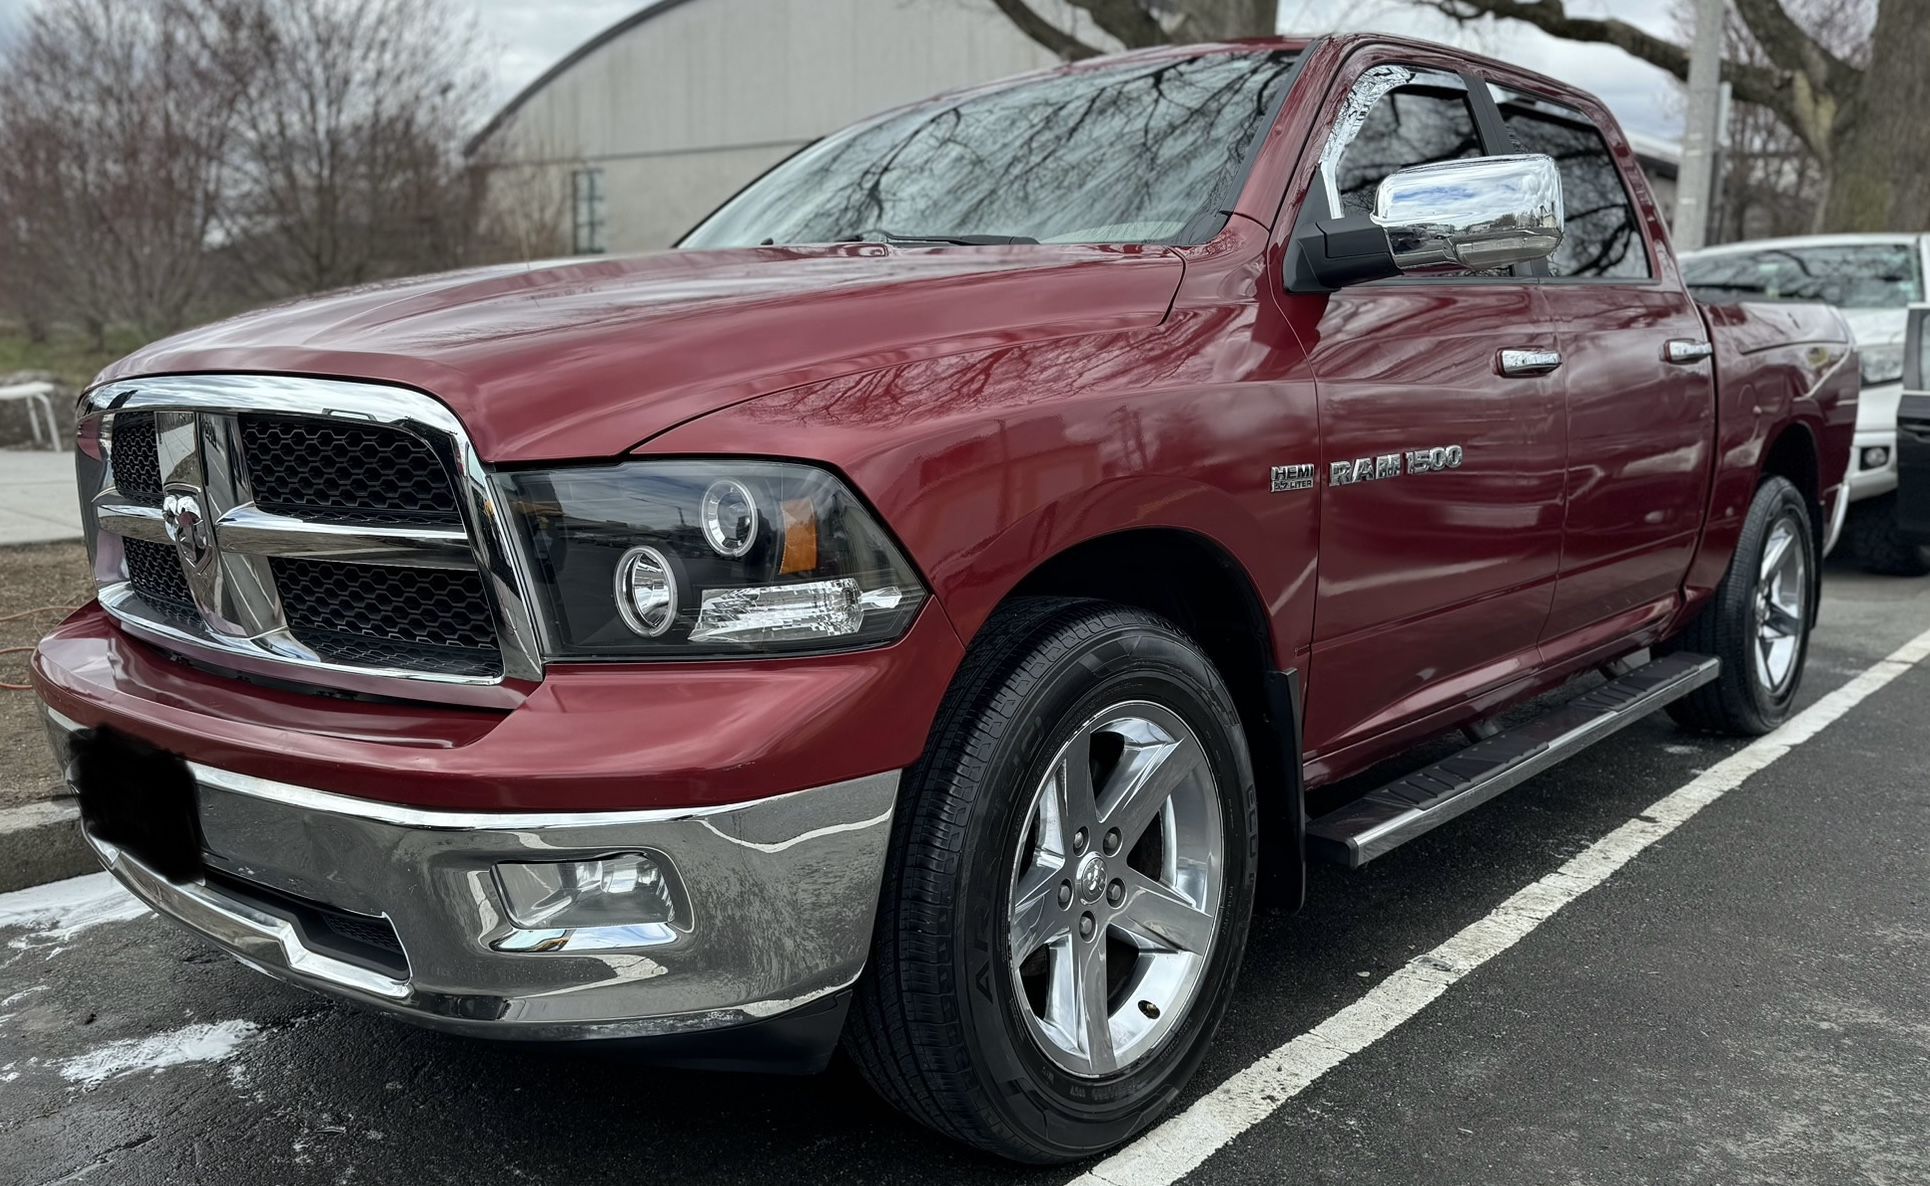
(1782, 600)
(1115, 889)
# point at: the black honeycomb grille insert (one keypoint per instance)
(360, 939)
(301, 465)
(155, 572)
(136, 458)
(370, 932)
(374, 615)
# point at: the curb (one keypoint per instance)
(41, 842)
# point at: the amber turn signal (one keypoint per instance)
(800, 538)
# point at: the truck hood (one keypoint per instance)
(583, 359)
(1874, 327)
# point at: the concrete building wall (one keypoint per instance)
(697, 97)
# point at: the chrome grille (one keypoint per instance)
(298, 523)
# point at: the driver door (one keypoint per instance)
(1435, 575)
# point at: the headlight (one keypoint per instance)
(689, 559)
(1882, 364)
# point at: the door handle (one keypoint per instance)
(1528, 362)
(1686, 350)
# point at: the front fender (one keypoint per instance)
(986, 465)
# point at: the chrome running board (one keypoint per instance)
(1386, 818)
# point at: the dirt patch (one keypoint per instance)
(32, 576)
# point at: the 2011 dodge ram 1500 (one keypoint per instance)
(916, 612)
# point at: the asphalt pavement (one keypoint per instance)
(1746, 999)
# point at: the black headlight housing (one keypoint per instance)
(705, 559)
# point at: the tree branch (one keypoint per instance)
(1793, 50)
(1127, 20)
(1753, 84)
(1045, 32)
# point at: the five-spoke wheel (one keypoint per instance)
(1758, 621)
(1782, 599)
(1071, 875)
(1116, 888)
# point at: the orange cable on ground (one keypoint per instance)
(27, 613)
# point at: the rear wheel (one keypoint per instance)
(1071, 878)
(1879, 545)
(1759, 620)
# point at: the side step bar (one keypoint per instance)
(1389, 817)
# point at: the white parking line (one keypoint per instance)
(1178, 1145)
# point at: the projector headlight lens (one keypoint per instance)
(646, 591)
(730, 518)
(692, 559)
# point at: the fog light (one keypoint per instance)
(776, 613)
(1876, 457)
(625, 890)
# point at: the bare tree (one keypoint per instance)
(527, 206)
(1857, 114)
(345, 161)
(1771, 183)
(1136, 24)
(112, 142)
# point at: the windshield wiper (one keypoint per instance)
(884, 236)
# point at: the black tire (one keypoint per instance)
(1740, 702)
(935, 1027)
(1879, 545)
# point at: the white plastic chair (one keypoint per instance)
(40, 410)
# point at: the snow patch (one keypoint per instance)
(60, 910)
(156, 1052)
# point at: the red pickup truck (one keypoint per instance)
(915, 614)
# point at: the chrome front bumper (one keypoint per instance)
(781, 896)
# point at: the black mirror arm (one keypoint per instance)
(1324, 254)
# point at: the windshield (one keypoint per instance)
(1849, 276)
(1130, 153)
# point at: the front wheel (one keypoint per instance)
(1071, 878)
(1759, 620)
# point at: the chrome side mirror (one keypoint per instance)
(1478, 214)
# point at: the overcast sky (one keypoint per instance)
(527, 36)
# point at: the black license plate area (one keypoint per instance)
(140, 799)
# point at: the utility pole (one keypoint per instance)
(1695, 185)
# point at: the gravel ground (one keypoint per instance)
(32, 578)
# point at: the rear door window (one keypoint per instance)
(1602, 238)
